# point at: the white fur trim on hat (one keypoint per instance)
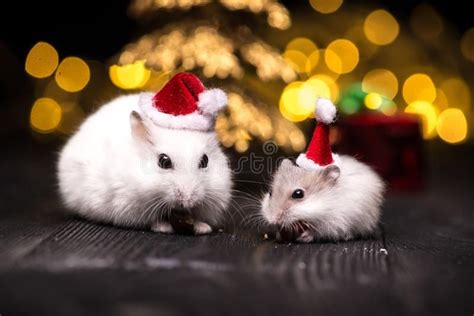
(306, 163)
(193, 121)
(212, 101)
(325, 111)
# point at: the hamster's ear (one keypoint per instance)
(139, 130)
(286, 164)
(332, 173)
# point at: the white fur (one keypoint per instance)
(105, 174)
(325, 111)
(350, 208)
(306, 163)
(194, 121)
(212, 101)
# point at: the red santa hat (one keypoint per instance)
(183, 103)
(319, 154)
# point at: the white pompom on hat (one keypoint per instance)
(319, 154)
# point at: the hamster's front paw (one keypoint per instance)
(201, 228)
(162, 227)
(305, 237)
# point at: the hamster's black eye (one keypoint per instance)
(164, 161)
(204, 161)
(270, 191)
(297, 194)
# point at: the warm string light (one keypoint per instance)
(268, 62)
(203, 47)
(245, 121)
(277, 15)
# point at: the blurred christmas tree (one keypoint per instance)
(209, 38)
(358, 55)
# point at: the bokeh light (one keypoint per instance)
(312, 61)
(381, 28)
(45, 115)
(381, 81)
(426, 111)
(457, 92)
(72, 74)
(352, 99)
(341, 56)
(467, 44)
(373, 101)
(302, 44)
(330, 83)
(419, 87)
(42, 60)
(133, 76)
(290, 106)
(310, 91)
(296, 59)
(426, 22)
(452, 126)
(326, 6)
(388, 107)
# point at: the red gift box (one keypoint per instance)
(392, 145)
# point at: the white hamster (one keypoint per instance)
(120, 168)
(332, 203)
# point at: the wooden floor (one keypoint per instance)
(421, 262)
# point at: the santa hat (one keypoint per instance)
(183, 103)
(318, 155)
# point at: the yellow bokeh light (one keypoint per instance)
(320, 67)
(381, 81)
(341, 56)
(72, 74)
(373, 101)
(427, 113)
(326, 6)
(331, 83)
(42, 60)
(441, 101)
(426, 22)
(296, 59)
(45, 115)
(309, 92)
(457, 93)
(381, 28)
(312, 61)
(133, 76)
(467, 44)
(452, 126)
(419, 87)
(303, 45)
(290, 106)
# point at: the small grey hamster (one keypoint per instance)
(324, 195)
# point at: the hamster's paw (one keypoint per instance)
(305, 237)
(201, 228)
(162, 227)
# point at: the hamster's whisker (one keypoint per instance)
(251, 181)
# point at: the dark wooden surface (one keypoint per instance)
(53, 264)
